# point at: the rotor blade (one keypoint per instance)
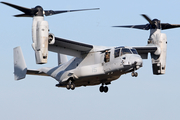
(23, 15)
(147, 18)
(51, 12)
(142, 27)
(23, 9)
(165, 26)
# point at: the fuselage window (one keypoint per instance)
(107, 57)
(125, 51)
(134, 51)
(116, 53)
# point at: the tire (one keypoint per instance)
(136, 74)
(132, 74)
(105, 89)
(68, 86)
(101, 89)
(72, 86)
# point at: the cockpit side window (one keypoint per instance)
(134, 51)
(125, 51)
(107, 57)
(116, 53)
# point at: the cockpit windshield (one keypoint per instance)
(125, 51)
(134, 51)
(122, 51)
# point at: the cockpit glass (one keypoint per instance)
(116, 53)
(134, 51)
(125, 51)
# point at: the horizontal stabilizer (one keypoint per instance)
(36, 72)
(20, 68)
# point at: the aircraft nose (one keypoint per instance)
(138, 62)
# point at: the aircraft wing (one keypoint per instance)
(69, 47)
(143, 51)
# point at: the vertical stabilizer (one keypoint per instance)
(20, 68)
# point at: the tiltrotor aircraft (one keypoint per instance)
(91, 65)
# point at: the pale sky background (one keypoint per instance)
(147, 97)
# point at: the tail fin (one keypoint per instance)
(20, 68)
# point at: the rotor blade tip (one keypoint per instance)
(5, 2)
(94, 9)
(143, 14)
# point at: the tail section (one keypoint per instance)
(20, 68)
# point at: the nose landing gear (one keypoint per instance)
(134, 74)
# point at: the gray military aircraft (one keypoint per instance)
(91, 65)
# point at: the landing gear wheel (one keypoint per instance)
(105, 89)
(68, 86)
(101, 89)
(134, 74)
(72, 86)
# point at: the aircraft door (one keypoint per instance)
(107, 57)
(107, 61)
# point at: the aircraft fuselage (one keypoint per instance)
(96, 67)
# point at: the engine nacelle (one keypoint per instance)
(159, 57)
(40, 32)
